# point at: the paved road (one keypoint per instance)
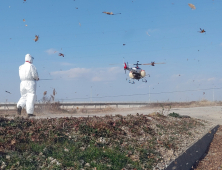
(210, 113)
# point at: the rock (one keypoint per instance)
(103, 140)
(53, 161)
(66, 150)
(82, 148)
(87, 165)
(3, 165)
(81, 162)
(50, 158)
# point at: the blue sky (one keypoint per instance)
(160, 31)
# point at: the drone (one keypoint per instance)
(136, 72)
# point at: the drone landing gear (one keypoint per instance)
(144, 80)
(132, 82)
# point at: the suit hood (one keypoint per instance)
(29, 58)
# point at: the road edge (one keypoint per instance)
(194, 153)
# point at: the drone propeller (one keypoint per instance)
(153, 63)
(137, 63)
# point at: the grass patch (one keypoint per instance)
(177, 115)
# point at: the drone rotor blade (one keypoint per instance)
(149, 63)
(152, 63)
(159, 63)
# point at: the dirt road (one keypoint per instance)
(210, 113)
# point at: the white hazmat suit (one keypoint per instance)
(28, 76)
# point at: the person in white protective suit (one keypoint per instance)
(28, 76)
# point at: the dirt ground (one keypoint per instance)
(211, 112)
(202, 110)
(213, 158)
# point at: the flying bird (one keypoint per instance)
(7, 92)
(110, 13)
(147, 33)
(202, 30)
(45, 92)
(36, 38)
(60, 54)
(192, 6)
